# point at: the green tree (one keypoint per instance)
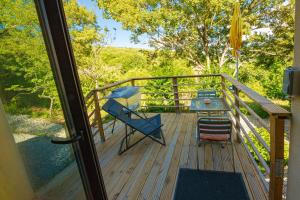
(273, 40)
(26, 68)
(196, 29)
(97, 72)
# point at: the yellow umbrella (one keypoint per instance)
(236, 33)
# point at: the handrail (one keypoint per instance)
(174, 91)
(180, 95)
(249, 124)
(179, 76)
(151, 78)
(261, 159)
(258, 118)
(266, 184)
(266, 104)
(276, 130)
(112, 85)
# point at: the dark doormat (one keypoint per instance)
(195, 184)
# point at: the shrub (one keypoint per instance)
(266, 137)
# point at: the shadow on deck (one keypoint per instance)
(149, 170)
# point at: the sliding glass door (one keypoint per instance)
(47, 148)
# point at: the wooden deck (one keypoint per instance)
(149, 170)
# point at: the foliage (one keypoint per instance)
(97, 72)
(196, 29)
(165, 65)
(25, 65)
(272, 82)
(190, 37)
(273, 40)
(266, 137)
(258, 110)
(126, 58)
(267, 82)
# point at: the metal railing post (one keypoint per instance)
(223, 88)
(236, 114)
(176, 95)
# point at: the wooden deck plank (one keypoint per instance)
(125, 173)
(250, 173)
(208, 157)
(239, 168)
(184, 158)
(192, 159)
(141, 172)
(201, 157)
(227, 158)
(162, 176)
(146, 192)
(133, 190)
(216, 157)
(171, 176)
(149, 170)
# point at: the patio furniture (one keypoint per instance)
(128, 96)
(216, 130)
(207, 93)
(149, 127)
(217, 106)
(193, 184)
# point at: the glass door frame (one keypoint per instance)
(57, 40)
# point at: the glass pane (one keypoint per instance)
(32, 109)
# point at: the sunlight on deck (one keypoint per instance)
(149, 170)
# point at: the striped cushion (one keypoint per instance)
(214, 137)
(214, 129)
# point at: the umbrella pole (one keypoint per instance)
(237, 68)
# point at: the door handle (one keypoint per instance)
(67, 141)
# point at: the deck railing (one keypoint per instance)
(174, 93)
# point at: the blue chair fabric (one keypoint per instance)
(150, 127)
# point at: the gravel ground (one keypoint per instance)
(43, 160)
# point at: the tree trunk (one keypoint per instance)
(223, 57)
(97, 84)
(51, 106)
(208, 62)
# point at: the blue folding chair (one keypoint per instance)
(149, 127)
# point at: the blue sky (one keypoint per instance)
(122, 37)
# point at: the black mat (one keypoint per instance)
(209, 185)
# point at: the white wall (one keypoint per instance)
(14, 183)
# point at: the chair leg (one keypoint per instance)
(113, 128)
(163, 142)
(126, 139)
(163, 137)
(121, 151)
